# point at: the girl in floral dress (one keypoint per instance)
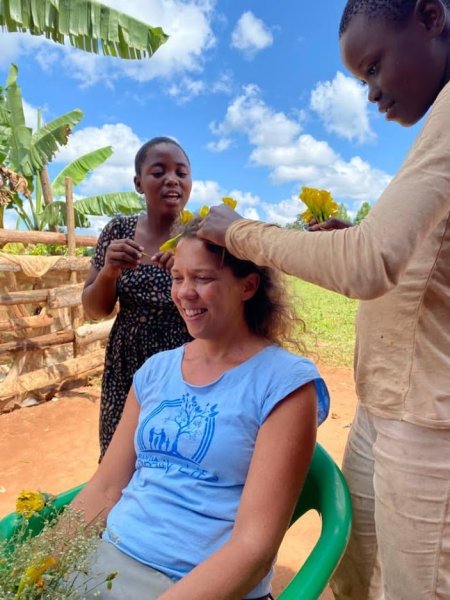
(124, 269)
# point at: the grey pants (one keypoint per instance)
(134, 581)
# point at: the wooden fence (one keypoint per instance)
(44, 339)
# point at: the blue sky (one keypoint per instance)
(254, 91)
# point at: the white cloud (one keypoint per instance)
(223, 84)
(342, 106)
(15, 45)
(117, 173)
(211, 193)
(186, 90)
(245, 198)
(248, 114)
(251, 35)
(247, 204)
(220, 145)
(283, 212)
(293, 156)
(205, 192)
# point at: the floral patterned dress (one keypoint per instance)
(148, 322)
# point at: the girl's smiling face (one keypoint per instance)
(209, 297)
(402, 65)
(165, 179)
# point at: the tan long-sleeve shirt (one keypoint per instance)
(397, 261)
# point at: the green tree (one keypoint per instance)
(343, 213)
(363, 211)
(297, 224)
(27, 154)
(84, 24)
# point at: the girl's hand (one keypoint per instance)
(163, 259)
(214, 226)
(120, 255)
(329, 225)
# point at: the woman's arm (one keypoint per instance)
(100, 294)
(116, 469)
(280, 462)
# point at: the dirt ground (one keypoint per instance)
(53, 447)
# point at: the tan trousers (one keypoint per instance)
(399, 479)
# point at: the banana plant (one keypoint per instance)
(85, 24)
(25, 152)
(28, 154)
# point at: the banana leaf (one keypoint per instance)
(126, 203)
(20, 135)
(85, 24)
(79, 168)
(46, 140)
(54, 215)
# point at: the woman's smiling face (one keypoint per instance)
(209, 297)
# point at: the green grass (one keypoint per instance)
(330, 323)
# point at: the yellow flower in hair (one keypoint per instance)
(170, 244)
(204, 210)
(186, 216)
(29, 503)
(320, 205)
(231, 202)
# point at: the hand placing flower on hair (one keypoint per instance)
(215, 225)
(214, 220)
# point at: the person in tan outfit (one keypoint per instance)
(397, 262)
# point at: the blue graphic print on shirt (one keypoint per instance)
(177, 429)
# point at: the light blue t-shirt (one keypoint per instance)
(194, 445)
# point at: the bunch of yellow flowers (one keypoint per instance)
(45, 566)
(320, 205)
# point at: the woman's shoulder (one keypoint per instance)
(277, 355)
(162, 359)
(284, 372)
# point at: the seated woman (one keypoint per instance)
(201, 478)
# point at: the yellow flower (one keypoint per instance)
(204, 210)
(29, 503)
(33, 574)
(170, 244)
(186, 216)
(320, 205)
(231, 202)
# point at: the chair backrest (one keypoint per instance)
(325, 491)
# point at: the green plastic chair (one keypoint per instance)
(325, 491)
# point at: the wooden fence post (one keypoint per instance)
(76, 312)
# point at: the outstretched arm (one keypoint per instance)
(368, 260)
(280, 462)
